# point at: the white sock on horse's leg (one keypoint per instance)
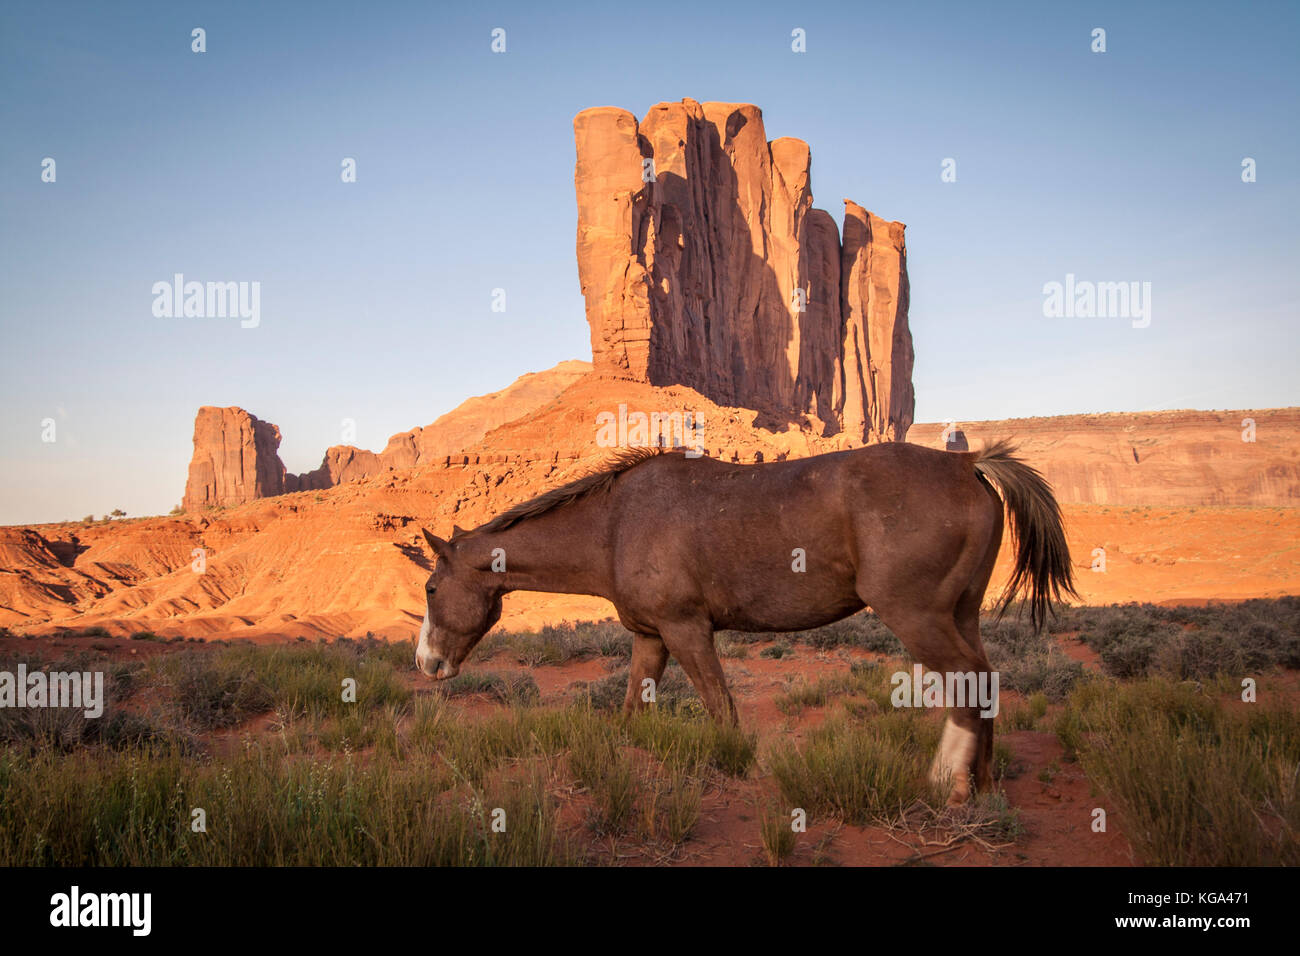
(953, 760)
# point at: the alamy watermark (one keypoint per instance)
(1084, 299)
(208, 300)
(76, 908)
(646, 430)
(952, 689)
(74, 689)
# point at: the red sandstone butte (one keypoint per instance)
(703, 263)
(236, 459)
(236, 455)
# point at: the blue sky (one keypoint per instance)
(376, 296)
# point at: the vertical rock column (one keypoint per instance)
(236, 459)
(877, 398)
(703, 262)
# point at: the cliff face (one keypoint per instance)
(704, 263)
(1169, 458)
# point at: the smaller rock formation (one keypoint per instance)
(236, 455)
(236, 459)
(341, 463)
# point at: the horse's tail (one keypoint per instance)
(1042, 565)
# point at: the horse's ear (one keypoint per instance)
(457, 531)
(441, 548)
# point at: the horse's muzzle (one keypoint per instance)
(436, 667)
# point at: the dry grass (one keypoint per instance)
(1199, 781)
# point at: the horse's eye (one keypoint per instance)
(432, 588)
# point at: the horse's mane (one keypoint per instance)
(588, 484)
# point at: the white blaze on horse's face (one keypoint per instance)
(430, 661)
(422, 652)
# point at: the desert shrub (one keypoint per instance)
(728, 647)
(862, 630)
(1021, 715)
(599, 761)
(1199, 782)
(514, 689)
(675, 693)
(558, 644)
(693, 745)
(863, 679)
(86, 632)
(62, 729)
(1184, 642)
(1027, 661)
(65, 729)
(399, 655)
(775, 833)
(858, 771)
(211, 691)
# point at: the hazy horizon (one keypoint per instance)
(224, 166)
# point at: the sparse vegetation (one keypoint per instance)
(392, 779)
(557, 644)
(216, 690)
(863, 680)
(1188, 643)
(680, 796)
(1199, 781)
(1021, 715)
(859, 772)
(777, 651)
(607, 771)
(1028, 662)
(87, 632)
(415, 773)
(1133, 640)
(776, 833)
(675, 692)
(513, 689)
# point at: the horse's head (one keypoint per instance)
(462, 603)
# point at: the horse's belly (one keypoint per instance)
(785, 621)
(792, 608)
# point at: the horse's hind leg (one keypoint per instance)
(958, 748)
(968, 623)
(649, 657)
(932, 638)
(691, 642)
(967, 618)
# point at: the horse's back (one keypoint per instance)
(766, 544)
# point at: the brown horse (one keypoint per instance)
(686, 546)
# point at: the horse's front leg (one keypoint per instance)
(649, 657)
(691, 642)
